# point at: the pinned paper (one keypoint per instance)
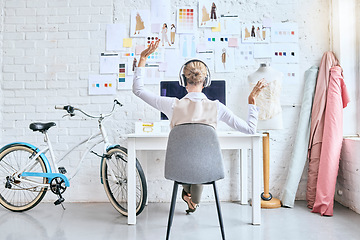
(162, 67)
(262, 51)
(267, 22)
(114, 36)
(102, 84)
(155, 27)
(201, 47)
(127, 42)
(216, 29)
(233, 42)
(139, 49)
(109, 63)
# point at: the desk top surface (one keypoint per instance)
(228, 134)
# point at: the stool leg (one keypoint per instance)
(219, 212)
(172, 208)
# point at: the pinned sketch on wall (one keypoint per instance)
(186, 20)
(291, 73)
(245, 55)
(285, 53)
(109, 63)
(173, 67)
(152, 73)
(102, 84)
(115, 33)
(263, 51)
(208, 58)
(255, 33)
(230, 24)
(224, 59)
(188, 45)
(160, 10)
(284, 32)
(140, 23)
(208, 13)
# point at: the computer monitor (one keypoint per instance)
(216, 91)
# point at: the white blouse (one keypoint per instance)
(166, 104)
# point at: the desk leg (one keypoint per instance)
(243, 176)
(131, 173)
(256, 181)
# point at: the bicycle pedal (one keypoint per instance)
(62, 170)
(59, 201)
(8, 184)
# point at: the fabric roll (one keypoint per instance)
(300, 151)
(337, 99)
(317, 124)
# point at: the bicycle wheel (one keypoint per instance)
(20, 194)
(117, 190)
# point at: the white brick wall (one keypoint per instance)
(348, 188)
(48, 49)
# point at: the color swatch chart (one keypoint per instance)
(186, 20)
(122, 68)
(156, 56)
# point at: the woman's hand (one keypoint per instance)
(260, 85)
(147, 52)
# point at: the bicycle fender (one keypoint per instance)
(49, 176)
(102, 159)
(46, 161)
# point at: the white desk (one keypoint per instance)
(228, 140)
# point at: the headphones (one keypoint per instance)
(182, 78)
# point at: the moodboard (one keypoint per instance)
(223, 41)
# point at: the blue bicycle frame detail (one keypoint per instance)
(46, 161)
(50, 176)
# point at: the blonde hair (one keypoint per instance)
(195, 73)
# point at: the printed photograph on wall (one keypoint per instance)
(208, 13)
(140, 23)
(255, 33)
(186, 19)
(168, 35)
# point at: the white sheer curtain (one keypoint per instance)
(344, 42)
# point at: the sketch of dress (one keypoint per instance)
(223, 57)
(139, 24)
(205, 16)
(193, 47)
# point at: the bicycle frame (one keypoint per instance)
(100, 136)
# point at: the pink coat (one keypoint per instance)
(317, 124)
(337, 99)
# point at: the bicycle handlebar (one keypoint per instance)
(71, 110)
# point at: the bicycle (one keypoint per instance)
(26, 173)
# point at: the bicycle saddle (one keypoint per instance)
(41, 127)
